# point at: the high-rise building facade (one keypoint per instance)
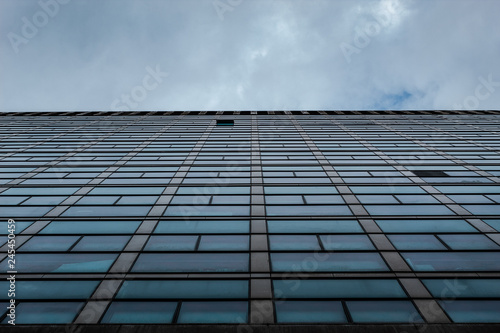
(254, 220)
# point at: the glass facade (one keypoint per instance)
(245, 218)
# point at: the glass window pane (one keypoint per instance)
(313, 226)
(424, 226)
(370, 199)
(293, 242)
(493, 223)
(224, 243)
(140, 313)
(171, 243)
(59, 289)
(98, 200)
(48, 200)
(284, 199)
(107, 211)
(319, 210)
(453, 261)
(101, 243)
(346, 242)
(207, 211)
(408, 210)
(122, 190)
(90, 227)
(327, 262)
(459, 288)
(338, 288)
(64, 262)
(323, 199)
(191, 262)
(473, 311)
(383, 312)
(310, 312)
(300, 190)
(416, 242)
(49, 243)
(202, 227)
(137, 200)
(46, 312)
(183, 289)
(213, 312)
(469, 242)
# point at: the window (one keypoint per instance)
(140, 313)
(213, 312)
(195, 262)
(310, 312)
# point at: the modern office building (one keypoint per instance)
(275, 221)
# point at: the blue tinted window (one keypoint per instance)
(284, 199)
(319, 210)
(469, 242)
(171, 243)
(327, 262)
(494, 223)
(213, 312)
(483, 209)
(299, 189)
(310, 312)
(66, 262)
(46, 312)
(5, 200)
(416, 242)
(416, 198)
(323, 199)
(40, 191)
(97, 200)
(25, 211)
(469, 189)
(293, 242)
(191, 262)
(224, 243)
(183, 289)
(423, 226)
(313, 226)
(408, 210)
(370, 199)
(386, 189)
(19, 227)
(207, 211)
(213, 190)
(140, 313)
(346, 242)
(127, 190)
(453, 261)
(338, 288)
(459, 288)
(60, 289)
(90, 227)
(383, 312)
(101, 243)
(461, 311)
(107, 211)
(49, 243)
(137, 200)
(202, 227)
(48, 200)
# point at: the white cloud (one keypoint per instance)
(264, 54)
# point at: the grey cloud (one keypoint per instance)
(262, 55)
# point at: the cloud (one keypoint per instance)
(255, 55)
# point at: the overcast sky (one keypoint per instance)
(249, 54)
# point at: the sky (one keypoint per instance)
(101, 55)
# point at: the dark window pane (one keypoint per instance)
(140, 313)
(310, 312)
(213, 312)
